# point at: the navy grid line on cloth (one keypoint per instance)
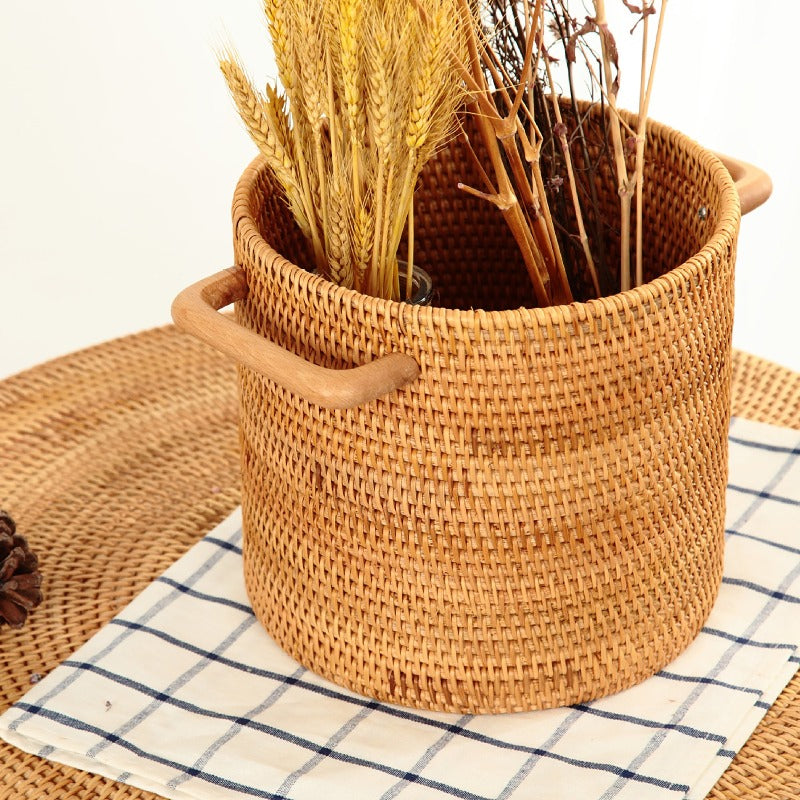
(191, 699)
(751, 629)
(161, 697)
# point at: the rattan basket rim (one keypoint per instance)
(658, 291)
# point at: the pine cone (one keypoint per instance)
(19, 575)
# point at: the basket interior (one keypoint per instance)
(464, 243)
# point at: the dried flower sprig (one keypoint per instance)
(511, 31)
(629, 182)
(518, 186)
(371, 92)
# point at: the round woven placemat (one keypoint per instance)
(117, 458)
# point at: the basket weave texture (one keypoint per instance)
(538, 519)
(103, 445)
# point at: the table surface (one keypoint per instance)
(116, 459)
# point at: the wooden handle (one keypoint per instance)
(195, 311)
(753, 184)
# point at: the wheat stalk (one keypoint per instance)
(252, 110)
(363, 233)
(349, 29)
(276, 13)
(380, 126)
(430, 119)
(339, 237)
(267, 125)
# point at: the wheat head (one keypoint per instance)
(268, 136)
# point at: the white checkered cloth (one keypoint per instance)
(184, 693)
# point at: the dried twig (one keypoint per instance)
(609, 51)
(518, 196)
(645, 91)
(560, 130)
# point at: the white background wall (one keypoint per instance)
(119, 151)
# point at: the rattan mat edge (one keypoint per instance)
(117, 458)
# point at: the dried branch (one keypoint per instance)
(560, 129)
(518, 196)
(641, 134)
(610, 56)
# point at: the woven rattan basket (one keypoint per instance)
(506, 508)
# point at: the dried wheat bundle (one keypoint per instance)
(370, 92)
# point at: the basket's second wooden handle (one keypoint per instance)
(753, 184)
(195, 311)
